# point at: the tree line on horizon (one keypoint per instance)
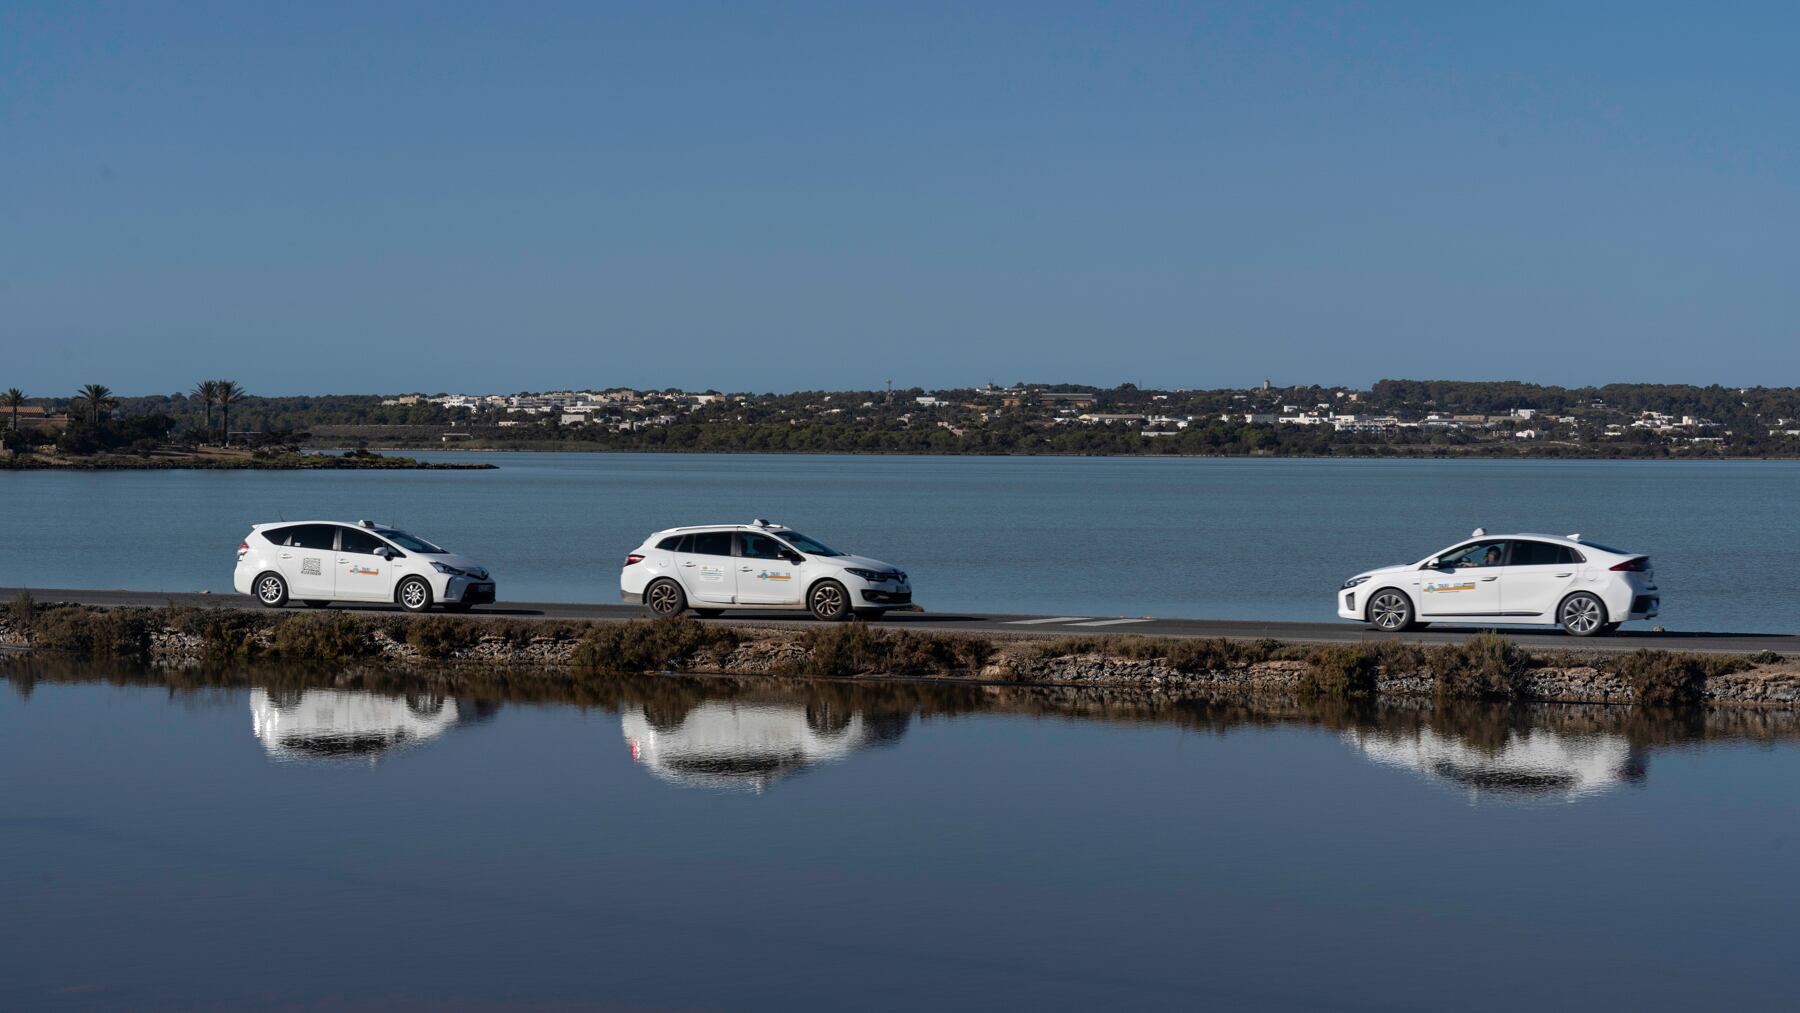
(91, 424)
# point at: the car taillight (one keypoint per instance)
(634, 558)
(1638, 565)
(243, 547)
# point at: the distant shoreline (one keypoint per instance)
(579, 447)
(199, 462)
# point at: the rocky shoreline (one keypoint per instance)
(433, 649)
(434, 646)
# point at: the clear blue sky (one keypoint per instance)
(442, 196)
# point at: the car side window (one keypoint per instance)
(311, 536)
(361, 541)
(668, 544)
(1540, 554)
(759, 546)
(712, 543)
(1474, 556)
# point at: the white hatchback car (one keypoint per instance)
(1522, 579)
(319, 562)
(757, 566)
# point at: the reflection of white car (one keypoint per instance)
(757, 566)
(319, 562)
(1493, 580)
(329, 723)
(748, 746)
(1534, 763)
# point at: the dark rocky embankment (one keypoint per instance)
(443, 650)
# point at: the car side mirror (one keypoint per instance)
(1433, 563)
(793, 557)
(386, 553)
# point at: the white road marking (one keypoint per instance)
(1034, 622)
(1111, 622)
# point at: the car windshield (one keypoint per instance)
(411, 543)
(805, 544)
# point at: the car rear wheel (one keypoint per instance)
(1390, 611)
(1582, 615)
(414, 594)
(829, 601)
(271, 590)
(665, 598)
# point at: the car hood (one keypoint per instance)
(863, 563)
(1383, 570)
(473, 568)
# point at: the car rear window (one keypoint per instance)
(669, 543)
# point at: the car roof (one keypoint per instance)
(1573, 541)
(367, 525)
(775, 528)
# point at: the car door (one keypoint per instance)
(362, 573)
(706, 567)
(1537, 576)
(306, 554)
(1465, 584)
(765, 574)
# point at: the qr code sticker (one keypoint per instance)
(310, 565)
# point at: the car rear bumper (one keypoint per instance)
(631, 597)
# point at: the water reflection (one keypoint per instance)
(330, 724)
(751, 734)
(745, 745)
(1537, 763)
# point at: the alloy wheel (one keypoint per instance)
(413, 595)
(664, 600)
(827, 600)
(1581, 615)
(1388, 610)
(269, 590)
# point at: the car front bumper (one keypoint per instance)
(879, 598)
(465, 591)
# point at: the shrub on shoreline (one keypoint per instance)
(1665, 678)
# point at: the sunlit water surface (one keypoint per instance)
(1229, 539)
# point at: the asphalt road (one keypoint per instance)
(1027, 625)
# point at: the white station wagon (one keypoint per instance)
(759, 565)
(319, 562)
(1494, 580)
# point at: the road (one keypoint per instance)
(1027, 625)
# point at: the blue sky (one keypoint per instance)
(386, 197)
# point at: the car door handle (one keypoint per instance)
(743, 569)
(1494, 577)
(687, 564)
(1565, 575)
(287, 555)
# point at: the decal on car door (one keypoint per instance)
(310, 565)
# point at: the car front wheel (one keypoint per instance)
(1390, 611)
(829, 601)
(1582, 615)
(414, 594)
(271, 590)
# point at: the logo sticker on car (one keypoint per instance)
(767, 575)
(1432, 588)
(367, 571)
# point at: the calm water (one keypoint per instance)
(1235, 539)
(751, 845)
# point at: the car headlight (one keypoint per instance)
(868, 575)
(446, 568)
(1353, 581)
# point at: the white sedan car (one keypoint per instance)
(1493, 580)
(760, 565)
(319, 562)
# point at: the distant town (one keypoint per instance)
(1393, 417)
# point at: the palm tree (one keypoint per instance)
(96, 399)
(207, 392)
(13, 399)
(228, 393)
